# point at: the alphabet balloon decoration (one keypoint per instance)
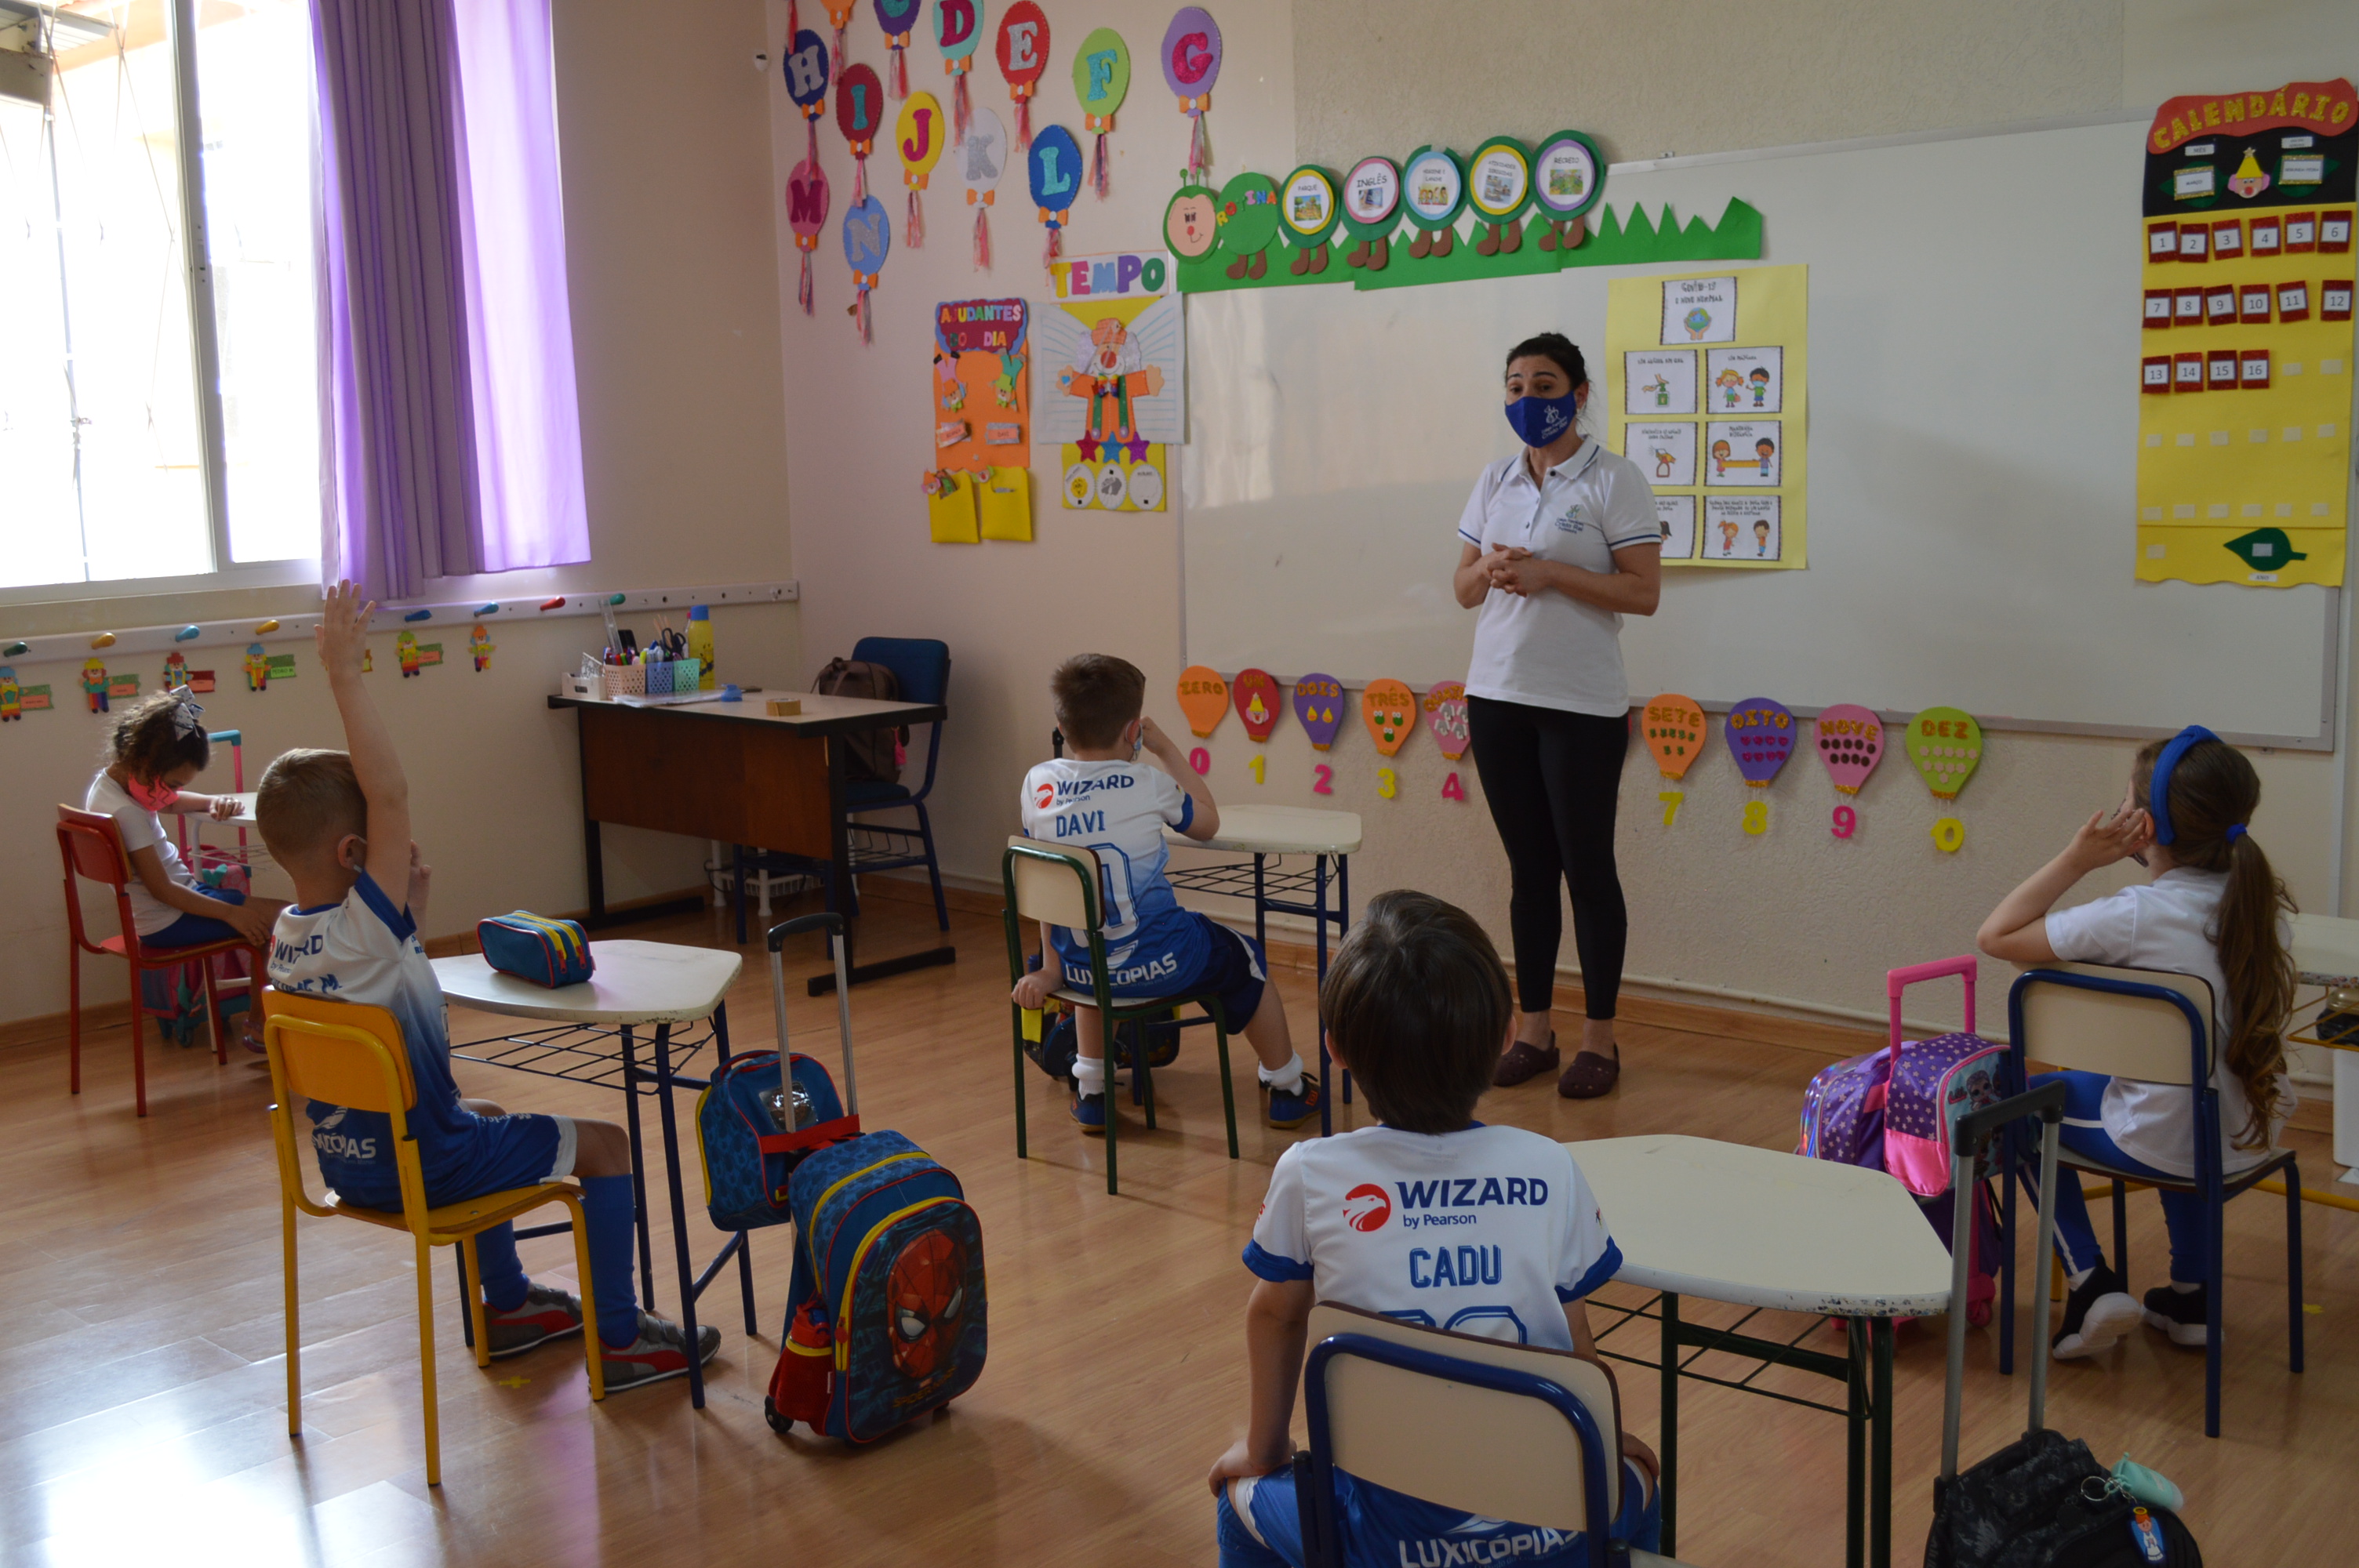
(918, 137)
(1389, 708)
(958, 28)
(839, 15)
(1055, 162)
(1258, 702)
(1445, 717)
(1023, 56)
(807, 215)
(808, 72)
(982, 157)
(1319, 703)
(1760, 735)
(900, 19)
(1203, 697)
(867, 239)
(1946, 744)
(859, 112)
(1101, 81)
(1851, 742)
(1191, 64)
(1675, 728)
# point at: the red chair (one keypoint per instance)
(91, 846)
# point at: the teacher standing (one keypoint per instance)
(1559, 543)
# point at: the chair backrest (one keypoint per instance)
(92, 847)
(1504, 1455)
(921, 665)
(338, 1053)
(2125, 1022)
(1055, 882)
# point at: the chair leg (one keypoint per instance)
(138, 1044)
(74, 1016)
(458, 1264)
(1228, 1093)
(933, 865)
(2293, 1262)
(746, 1280)
(2007, 1185)
(1113, 1122)
(2214, 1286)
(426, 1362)
(1019, 1087)
(474, 1303)
(2121, 1228)
(212, 1014)
(294, 1325)
(592, 1347)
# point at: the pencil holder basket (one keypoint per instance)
(660, 679)
(625, 680)
(685, 674)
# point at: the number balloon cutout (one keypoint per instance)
(1387, 783)
(1760, 735)
(1319, 703)
(1949, 834)
(1445, 719)
(1023, 56)
(1757, 817)
(1851, 742)
(1200, 760)
(1946, 744)
(1101, 81)
(1258, 701)
(918, 137)
(1203, 697)
(1846, 821)
(1325, 782)
(1675, 728)
(1191, 64)
(1258, 765)
(1389, 708)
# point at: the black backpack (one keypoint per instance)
(870, 756)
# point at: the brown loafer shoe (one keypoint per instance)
(1523, 1062)
(1590, 1076)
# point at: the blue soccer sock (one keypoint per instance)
(503, 1279)
(607, 1210)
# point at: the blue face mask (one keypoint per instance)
(1538, 421)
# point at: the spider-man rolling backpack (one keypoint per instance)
(889, 1320)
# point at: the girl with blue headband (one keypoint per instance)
(2213, 910)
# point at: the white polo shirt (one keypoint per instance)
(2167, 924)
(1546, 649)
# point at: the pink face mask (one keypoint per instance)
(154, 796)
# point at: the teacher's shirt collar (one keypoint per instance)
(1572, 467)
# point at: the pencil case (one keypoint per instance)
(534, 948)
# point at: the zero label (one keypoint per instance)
(1949, 834)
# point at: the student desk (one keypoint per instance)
(2326, 952)
(591, 1038)
(1268, 832)
(729, 771)
(1774, 1233)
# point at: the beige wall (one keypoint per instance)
(1791, 916)
(674, 284)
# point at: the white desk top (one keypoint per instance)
(245, 818)
(1731, 1223)
(636, 982)
(1278, 831)
(2326, 949)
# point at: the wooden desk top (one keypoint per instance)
(821, 714)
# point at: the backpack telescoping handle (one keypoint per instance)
(1965, 967)
(832, 923)
(1973, 1131)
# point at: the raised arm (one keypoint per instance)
(341, 635)
(1205, 821)
(2017, 930)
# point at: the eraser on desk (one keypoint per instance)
(784, 707)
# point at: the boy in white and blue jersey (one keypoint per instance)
(337, 823)
(1430, 1217)
(1103, 798)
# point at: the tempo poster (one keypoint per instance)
(1706, 377)
(2244, 347)
(1114, 388)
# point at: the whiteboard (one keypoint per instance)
(1975, 323)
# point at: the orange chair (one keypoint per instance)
(341, 1053)
(91, 845)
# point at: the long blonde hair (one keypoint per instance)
(2212, 793)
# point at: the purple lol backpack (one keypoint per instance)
(1894, 1110)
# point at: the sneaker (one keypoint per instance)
(2096, 1315)
(660, 1351)
(1090, 1114)
(2185, 1315)
(1289, 1111)
(546, 1313)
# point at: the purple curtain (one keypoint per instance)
(447, 359)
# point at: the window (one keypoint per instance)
(156, 420)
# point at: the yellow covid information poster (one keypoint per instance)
(2245, 375)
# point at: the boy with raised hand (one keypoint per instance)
(1417, 1008)
(1100, 796)
(337, 823)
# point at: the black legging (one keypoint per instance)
(1553, 780)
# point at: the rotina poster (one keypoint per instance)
(1113, 389)
(1706, 377)
(982, 406)
(2244, 347)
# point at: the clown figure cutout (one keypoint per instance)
(1109, 374)
(1121, 374)
(405, 647)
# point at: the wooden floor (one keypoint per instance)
(141, 1385)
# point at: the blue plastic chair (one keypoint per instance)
(2139, 1009)
(922, 666)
